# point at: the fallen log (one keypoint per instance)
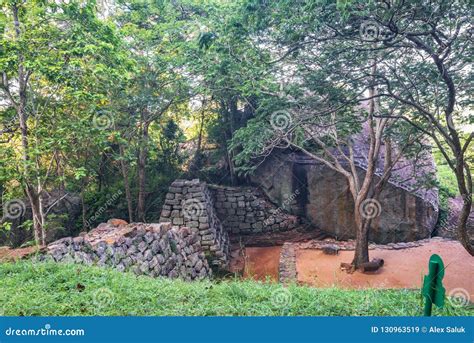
(372, 266)
(330, 249)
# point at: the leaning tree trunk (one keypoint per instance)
(463, 220)
(37, 214)
(464, 178)
(462, 227)
(32, 194)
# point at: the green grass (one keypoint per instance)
(50, 289)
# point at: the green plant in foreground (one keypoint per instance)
(50, 289)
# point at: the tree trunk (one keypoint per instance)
(376, 127)
(361, 253)
(231, 168)
(37, 213)
(463, 229)
(464, 179)
(128, 193)
(32, 194)
(142, 160)
(201, 129)
(85, 225)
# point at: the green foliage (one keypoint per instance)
(5, 226)
(103, 91)
(324, 47)
(446, 182)
(48, 289)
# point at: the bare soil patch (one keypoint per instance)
(7, 254)
(262, 263)
(403, 268)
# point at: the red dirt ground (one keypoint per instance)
(403, 268)
(262, 263)
(7, 254)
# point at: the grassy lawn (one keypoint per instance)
(65, 289)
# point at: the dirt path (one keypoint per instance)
(403, 268)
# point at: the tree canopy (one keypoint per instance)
(99, 98)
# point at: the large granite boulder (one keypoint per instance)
(404, 212)
(447, 226)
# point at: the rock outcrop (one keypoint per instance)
(322, 196)
(149, 249)
(447, 226)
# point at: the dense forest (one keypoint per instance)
(110, 101)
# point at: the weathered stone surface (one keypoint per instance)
(287, 268)
(148, 249)
(309, 189)
(196, 211)
(447, 226)
(247, 211)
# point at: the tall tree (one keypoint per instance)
(324, 84)
(41, 67)
(422, 63)
(156, 34)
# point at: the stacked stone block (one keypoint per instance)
(244, 211)
(189, 203)
(287, 270)
(149, 249)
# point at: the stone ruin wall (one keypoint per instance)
(245, 211)
(189, 203)
(192, 236)
(148, 249)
